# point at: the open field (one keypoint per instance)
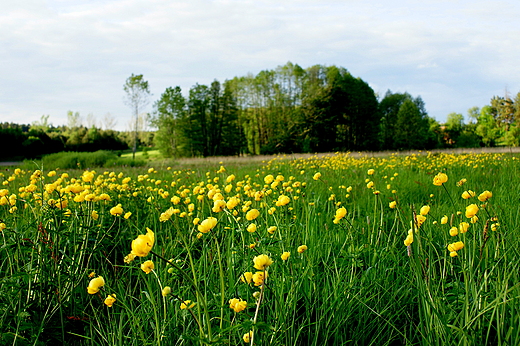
(331, 249)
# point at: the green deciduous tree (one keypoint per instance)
(168, 113)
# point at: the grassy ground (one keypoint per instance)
(332, 249)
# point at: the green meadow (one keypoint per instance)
(337, 249)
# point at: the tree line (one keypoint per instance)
(318, 109)
(288, 109)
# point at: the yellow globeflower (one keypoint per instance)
(425, 209)
(282, 200)
(247, 337)
(471, 210)
(247, 277)
(285, 255)
(468, 194)
(341, 212)
(371, 171)
(207, 225)
(147, 266)
(166, 291)
(392, 204)
(95, 284)
(484, 196)
(317, 176)
(302, 248)
(440, 179)
(251, 228)
(237, 305)
(259, 277)
(143, 244)
(454, 231)
(187, 304)
(444, 220)
(261, 262)
(117, 210)
(271, 229)
(463, 227)
(252, 214)
(110, 300)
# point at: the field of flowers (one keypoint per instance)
(335, 250)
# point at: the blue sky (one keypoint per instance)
(75, 55)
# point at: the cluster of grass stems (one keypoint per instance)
(356, 284)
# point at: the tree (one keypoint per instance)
(109, 122)
(169, 110)
(137, 97)
(73, 120)
(412, 127)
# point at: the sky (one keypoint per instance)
(61, 55)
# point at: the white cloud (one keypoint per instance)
(75, 55)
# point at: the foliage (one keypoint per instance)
(74, 160)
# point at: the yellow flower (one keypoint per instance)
(317, 176)
(117, 210)
(261, 262)
(282, 200)
(370, 184)
(484, 196)
(409, 238)
(463, 227)
(454, 231)
(259, 278)
(208, 224)
(271, 229)
(340, 213)
(471, 210)
(302, 248)
(143, 244)
(246, 277)
(247, 337)
(94, 215)
(440, 179)
(166, 291)
(371, 171)
(127, 215)
(392, 204)
(187, 304)
(110, 300)
(251, 228)
(456, 246)
(444, 220)
(237, 305)
(218, 205)
(232, 203)
(147, 266)
(95, 284)
(2, 226)
(285, 255)
(268, 179)
(425, 209)
(468, 194)
(252, 214)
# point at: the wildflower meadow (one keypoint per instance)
(419, 249)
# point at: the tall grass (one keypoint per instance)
(357, 283)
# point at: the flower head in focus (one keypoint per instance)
(147, 266)
(95, 284)
(143, 244)
(440, 179)
(261, 262)
(110, 300)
